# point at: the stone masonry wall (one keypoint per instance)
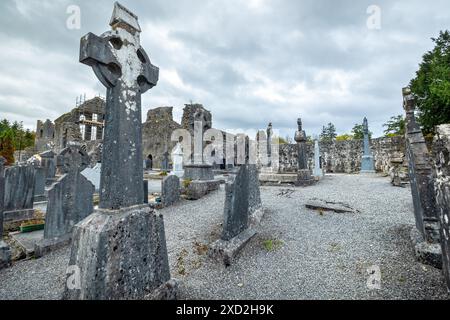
(345, 156)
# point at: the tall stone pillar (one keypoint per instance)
(367, 161)
(318, 172)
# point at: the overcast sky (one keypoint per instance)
(248, 61)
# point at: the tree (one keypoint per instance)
(395, 126)
(344, 137)
(431, 85)
(7, 146)
(358, 132)
(328, 133)
(21, 138)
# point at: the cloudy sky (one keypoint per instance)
(248, 61)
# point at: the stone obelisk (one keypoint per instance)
(367, 161)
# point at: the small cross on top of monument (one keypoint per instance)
(117, 54)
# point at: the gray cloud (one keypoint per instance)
(249, 62)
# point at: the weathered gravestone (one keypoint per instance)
(304, 177)
(170, 190)
(19, 193)
(70, 200)
(165, 162)
(5, 252)
(425, 236)
(241, 199)
(255, 208)
(120, 249)
(442, 187)
(39, 184)
(318, 172)
(48, 161)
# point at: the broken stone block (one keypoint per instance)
(322, 205)
(198, 189)
(122, 254)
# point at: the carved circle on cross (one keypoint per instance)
(73, 159)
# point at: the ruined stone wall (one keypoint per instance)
(156, 134)
(345, 156)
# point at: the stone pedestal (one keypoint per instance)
(426, 252)
(122, 255)
(367, 165)
(202, 172)
(304, 178)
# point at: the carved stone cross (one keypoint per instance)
(123, 67)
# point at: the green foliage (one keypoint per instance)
(187, 183)
(281, 140)
(358, 132)
(344, 137)
(328, 133)
(431, 85)
(7, 146)
(395, 126)
(21, 138)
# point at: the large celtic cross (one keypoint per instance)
(123, 67)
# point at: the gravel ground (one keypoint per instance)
(314, 256)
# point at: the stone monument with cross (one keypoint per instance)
(70, 200)
(304, 176)
(120, 249)
(367, 161)
(5, 251)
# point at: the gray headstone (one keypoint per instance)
(120, 249)
(39, 184)
(48, 161)
(236, 209)
(70, 199)
(19, 188)
(421, 175)
(170, 190)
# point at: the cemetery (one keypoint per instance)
(106, 205)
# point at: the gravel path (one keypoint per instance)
(314, 256)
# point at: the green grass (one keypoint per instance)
(272, 244)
